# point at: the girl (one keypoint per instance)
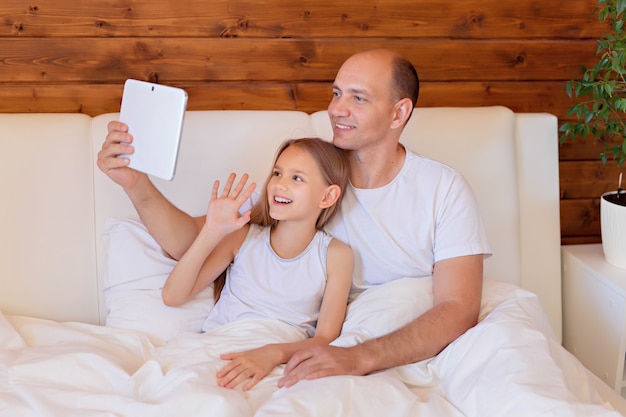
(283, 265)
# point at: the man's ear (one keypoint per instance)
(402, 112)
(330, 196)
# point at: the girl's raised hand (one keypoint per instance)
(223, 211)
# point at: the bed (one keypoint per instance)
(83, 331)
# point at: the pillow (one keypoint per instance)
(136, 269)
(386, 307)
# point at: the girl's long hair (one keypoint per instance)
(332, 163)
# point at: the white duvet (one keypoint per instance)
(508, 365)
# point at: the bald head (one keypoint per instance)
(392, 67)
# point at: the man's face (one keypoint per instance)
(362, 110)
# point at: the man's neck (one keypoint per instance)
(378, 168)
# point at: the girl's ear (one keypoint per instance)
(330, 196)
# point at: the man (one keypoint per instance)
(403, 215)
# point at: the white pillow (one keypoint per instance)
(136, 270)
(384, 308)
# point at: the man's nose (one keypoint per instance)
(337, 107)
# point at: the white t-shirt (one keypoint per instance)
(260, 284)
(426, 214)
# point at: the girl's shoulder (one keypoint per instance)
(339, 248)
(339, 263)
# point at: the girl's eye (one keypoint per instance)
(297, 178)
(276, 174)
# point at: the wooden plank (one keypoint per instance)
(584, 149)
(520, 96)
(96, 99)
(91, 99)
(587, 179)
(580, 217)
(478, 19)
(172, 60)
(580, 240)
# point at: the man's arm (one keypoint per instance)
(173, 229)
(457, 290)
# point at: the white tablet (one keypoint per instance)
(154, 114)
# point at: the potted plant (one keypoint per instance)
(603, 117)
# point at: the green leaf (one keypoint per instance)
(568, 89)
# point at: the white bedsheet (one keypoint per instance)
(507, 365)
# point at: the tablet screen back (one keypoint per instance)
(154, 114)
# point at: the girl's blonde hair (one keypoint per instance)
(332, 163)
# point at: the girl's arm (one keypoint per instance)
(254, 365)
(204, 261)
(215, 246)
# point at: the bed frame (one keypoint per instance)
(55, 201)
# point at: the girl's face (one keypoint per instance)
(296, 189)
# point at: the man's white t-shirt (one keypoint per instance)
(426, 214)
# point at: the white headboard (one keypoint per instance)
(55, 200)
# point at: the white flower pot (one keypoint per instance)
(613, 228)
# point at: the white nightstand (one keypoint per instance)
(594, 312)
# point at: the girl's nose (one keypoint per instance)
(280, 183)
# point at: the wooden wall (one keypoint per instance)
(70, 56)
